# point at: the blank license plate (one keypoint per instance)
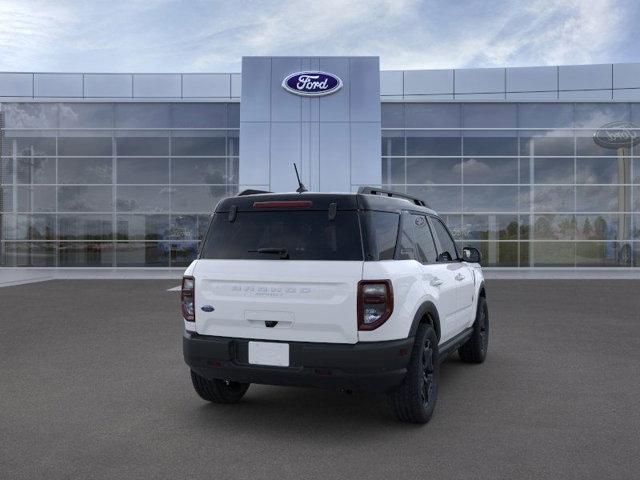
(269, 353)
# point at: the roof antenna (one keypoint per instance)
(301, 188)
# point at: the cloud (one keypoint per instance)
(167, 35)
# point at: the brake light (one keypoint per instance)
(187, 299)
(375, 303)
(284, 204)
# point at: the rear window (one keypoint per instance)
(274, 235)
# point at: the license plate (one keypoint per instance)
(269, 353)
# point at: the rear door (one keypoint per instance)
(280, 275)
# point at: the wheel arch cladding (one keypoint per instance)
(482, 291)
(427, 313)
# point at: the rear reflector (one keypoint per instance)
(284, 204)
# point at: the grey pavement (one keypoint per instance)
(93, 385)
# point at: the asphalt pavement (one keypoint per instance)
(93, 386)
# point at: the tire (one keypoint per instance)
(475, 349)
(218, 391)
(415, 399)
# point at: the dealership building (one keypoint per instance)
(538, 167)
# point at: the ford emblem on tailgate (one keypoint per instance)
(312, 84)
(207, 308)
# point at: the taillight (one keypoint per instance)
(375, 303)
(187, 299)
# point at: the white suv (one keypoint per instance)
(363, 291)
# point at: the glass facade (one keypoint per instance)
(526, 183)
(113, 184)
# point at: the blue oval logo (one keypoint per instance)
(207, 308)
(312, 83)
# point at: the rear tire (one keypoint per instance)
(218, 391)
(475, 349)
(415, 399)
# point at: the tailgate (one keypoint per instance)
(302, 301)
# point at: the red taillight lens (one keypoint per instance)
(375, 303)
(187, 299)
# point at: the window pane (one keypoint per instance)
(545, 115)
(490, 199)
(183, 227)
(598, 114)
(6, 171)
(542, 144)
(86, 115)
(603, 227)
(41, 254)
(553, 170)
(603, 170)
(36, 170)
(182, 253)
(487, 115)
(441, 199)
(497, 254)
(142, 254)
(36, 199)
(196, 199)
(85, 227)
(432, 115)
(433, 143)
(199, 115)
(392, 115)
(35, 227)
(29, 146)
(233, 143)
(233, 112)
(85, 170)
(603, 199)
(142, 227)
(392, 143)
(142, 170)
(490, 170)
(434, 170)
(446, 244)
(490, 145)
(212, 144)
(142, 146)
(142, 115)
(6, 199)
(603, 254)
(553, 199)
(585, 145)
(91, 146)
(425, 247)
(553, 254)
(489, 227)
(85, 199)
(79, 254)
(143, 199)
(30, 115)
(393, 170)
(554, 227)
(199, 170)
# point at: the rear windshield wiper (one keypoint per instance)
(284, 254)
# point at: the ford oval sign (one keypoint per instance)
(617, 135)
(312, 84)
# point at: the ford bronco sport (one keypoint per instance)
(363, 291)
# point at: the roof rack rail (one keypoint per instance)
(251, 191)
(391, 193)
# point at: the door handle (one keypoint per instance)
(436, 282)
(459, 277)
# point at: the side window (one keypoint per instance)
(382, 234)
(425, 247)
(447, 247)
(406, 242)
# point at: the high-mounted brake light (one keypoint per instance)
(187, 298)
(284, 204)
(375, 303)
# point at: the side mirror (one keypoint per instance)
(471, 255)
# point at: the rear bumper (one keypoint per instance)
(371, 366)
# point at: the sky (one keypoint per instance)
(212, 36)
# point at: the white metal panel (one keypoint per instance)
(255, 146)
(285, 150)
(57, 85)
(479, 80)
(480, 97)
(425, 82)
(365, 154)
(585, 77)
(364, 75)
(532, 96)
(204, 85)
(108, 85)
(236, 85)
(159, 85)
(626, 75)
(391, 82)
(335, 107)
(334, 157)
(16, 84)
(629, 94)
(585, 95)
(285, 106)
(532, 79)
(256, 90)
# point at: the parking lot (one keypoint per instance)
(93, 385)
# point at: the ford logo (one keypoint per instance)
(312, 84)
(617, 135)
